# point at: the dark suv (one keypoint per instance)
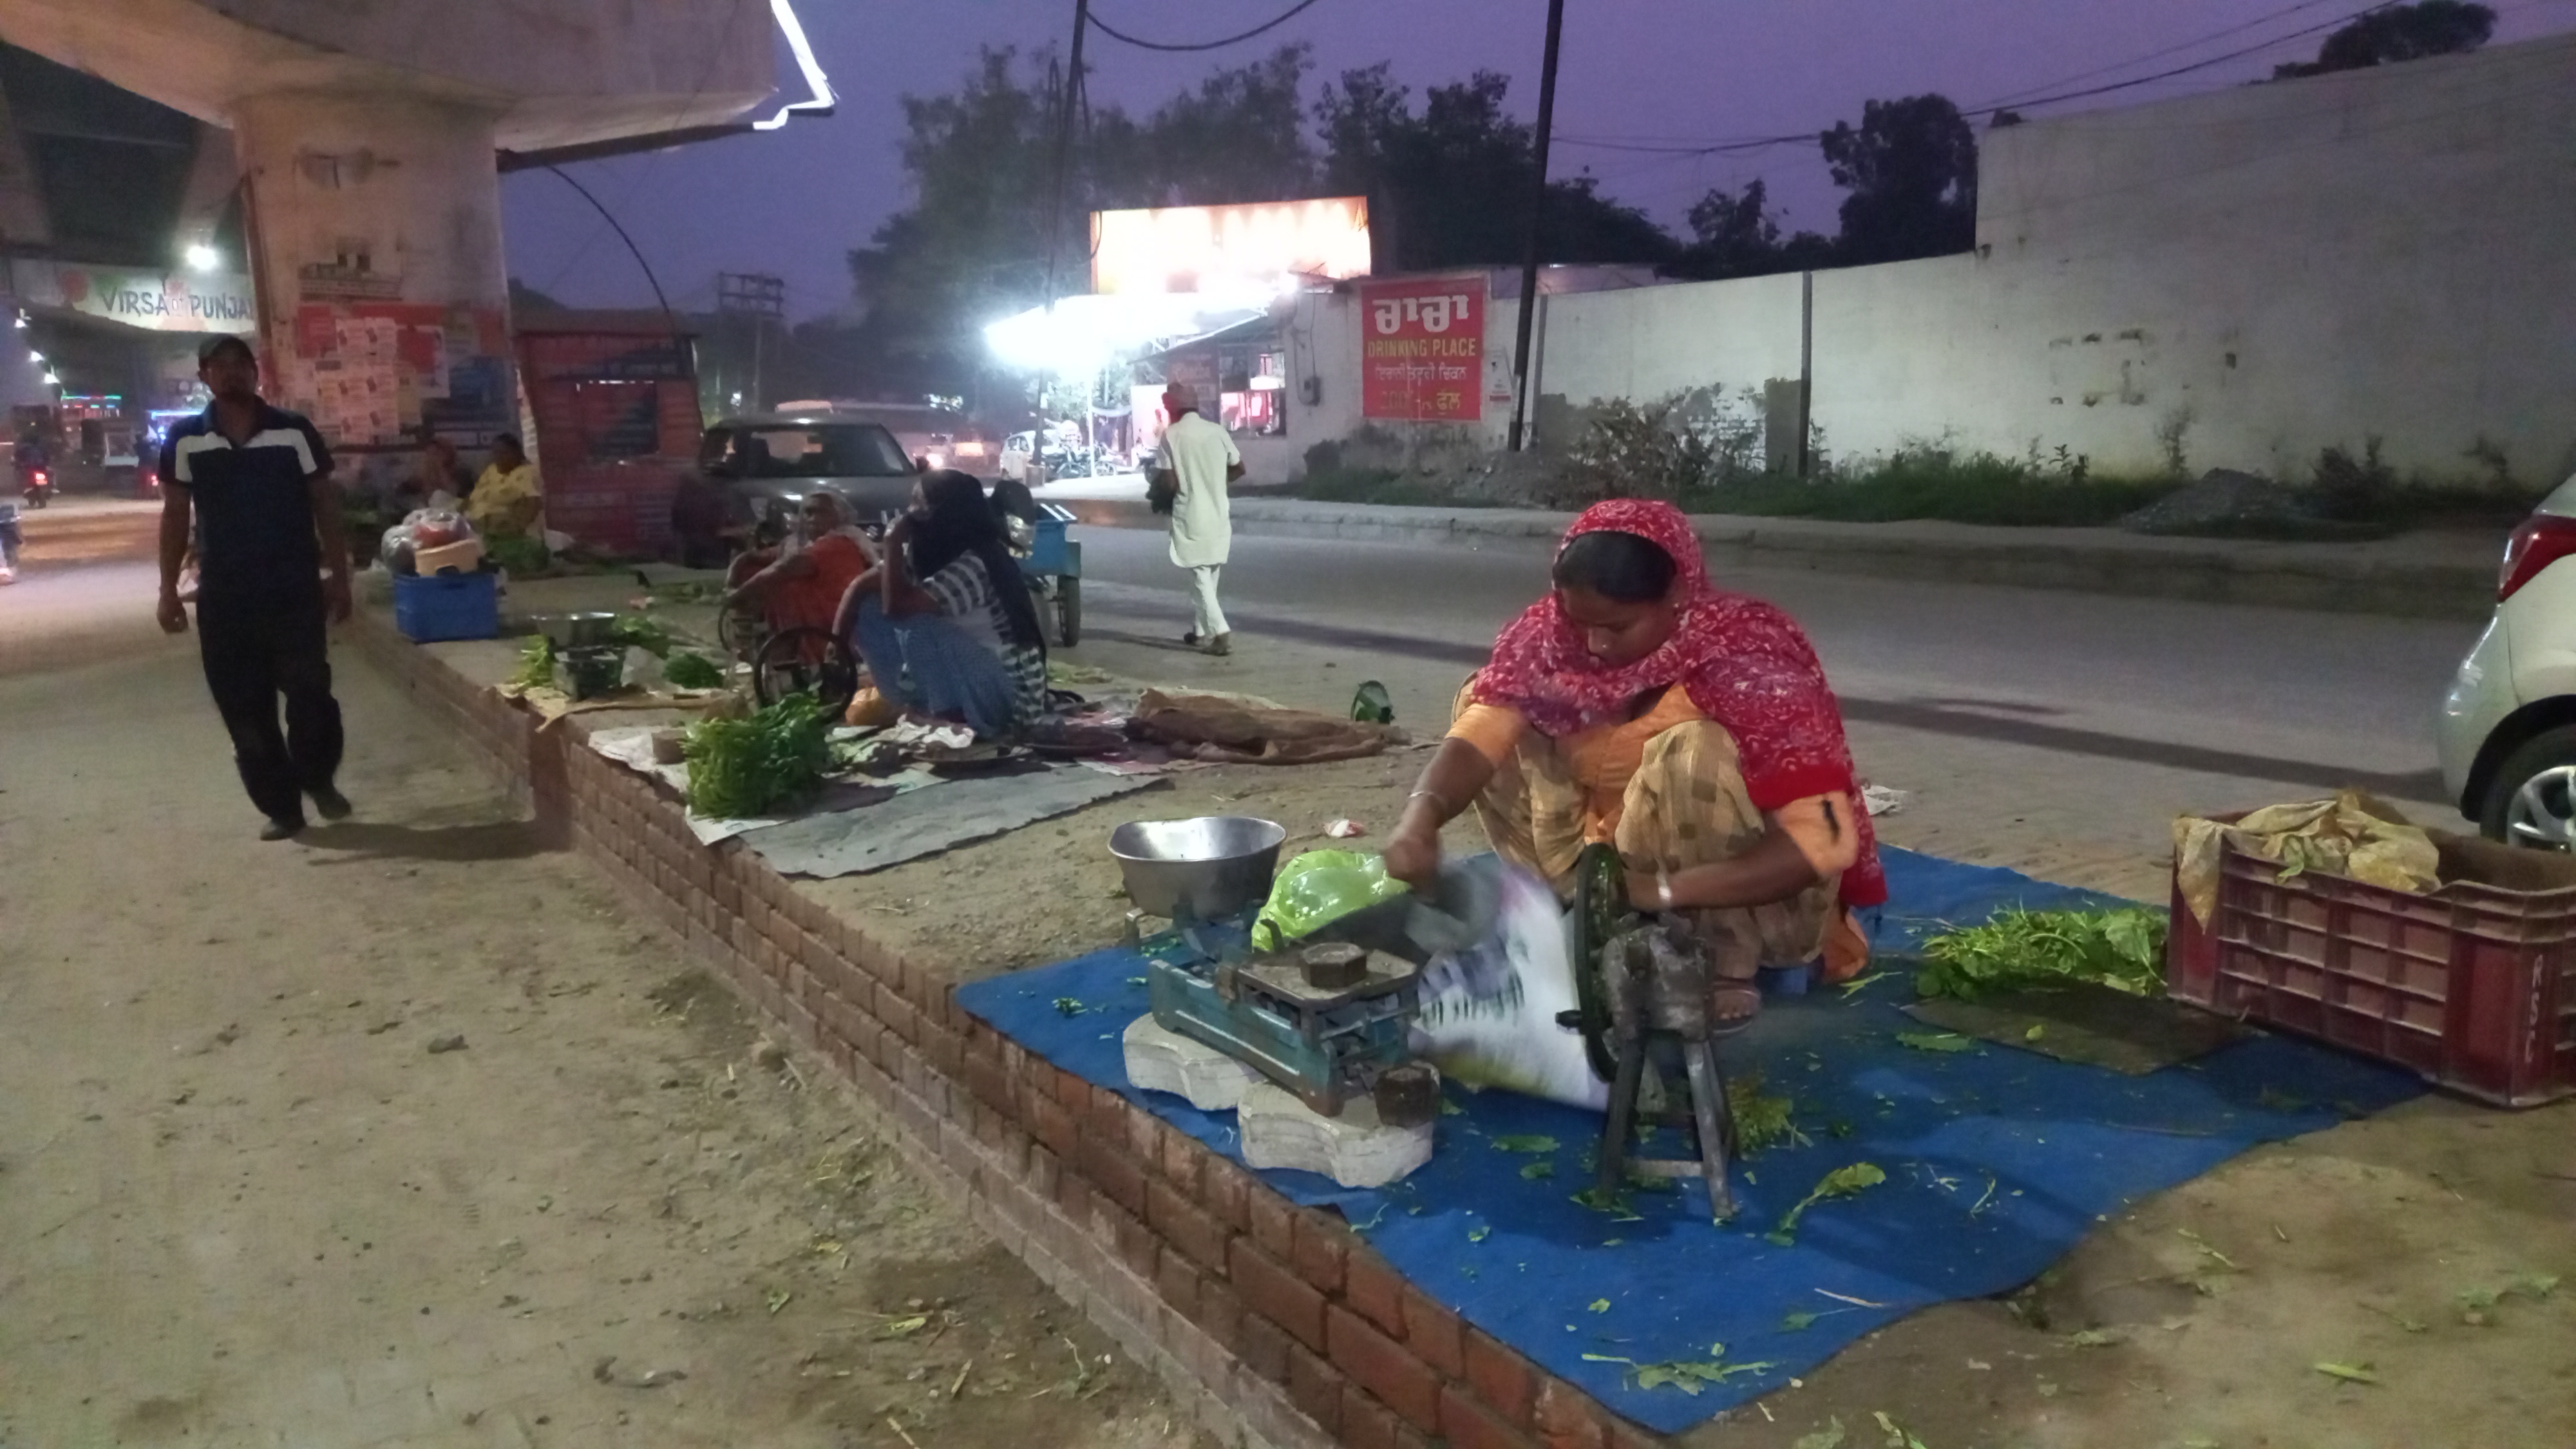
(766, 463)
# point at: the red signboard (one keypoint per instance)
(1422, 349)
(617, 427)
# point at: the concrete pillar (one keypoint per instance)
(375, 233)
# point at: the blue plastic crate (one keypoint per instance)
(447, 606)
(1047, 554)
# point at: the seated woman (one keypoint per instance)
(799, 585)
(507, 501)
(1691, 729)
(944, 620)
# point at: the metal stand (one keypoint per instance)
(1658, 990)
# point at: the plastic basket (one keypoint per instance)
(1047, 551)
(435, 607)
(2472, 986)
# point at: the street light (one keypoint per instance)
(51, 380)
(203, 258)
(35, 357)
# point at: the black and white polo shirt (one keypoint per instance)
(253, 503)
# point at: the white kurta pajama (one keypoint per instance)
(1198, 453)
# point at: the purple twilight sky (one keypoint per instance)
(794, 202)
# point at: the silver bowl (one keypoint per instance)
(586, 630)
(1203, 869)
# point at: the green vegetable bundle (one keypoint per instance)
(641, 631)
(744, 767)
(2121, 949)
(536, 665)
(692, 671)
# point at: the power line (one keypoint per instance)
(1264, 27)
(2193, 44)
(1757, 143)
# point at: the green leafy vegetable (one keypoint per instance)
(1600, 1305)
(741, 767)
(1899, 1439)
(2121, 949)
(633, 630)
(1798, 1322)
(1936, 1041)
(1070, 1006)
(1479, 1233)
(693, 671)
(1762, 1119)
(1533, 1171)
(536, 665)
(2351, 1373)
(1828, 1437)
(1509, 1142)
(1841, 1182)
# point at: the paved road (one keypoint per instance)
(2055, 732)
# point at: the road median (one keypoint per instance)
(2427, 575)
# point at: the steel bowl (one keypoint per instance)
(586, 630)
(1203, 869)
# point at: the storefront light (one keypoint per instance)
(203, 258)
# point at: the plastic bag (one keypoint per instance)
(1318, 888)
(1488, 1015)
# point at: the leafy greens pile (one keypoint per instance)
(685, 670)
(2121, 949)
(743, 767)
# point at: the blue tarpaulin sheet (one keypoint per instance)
(1997, 1162)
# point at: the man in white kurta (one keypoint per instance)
(1198, 458)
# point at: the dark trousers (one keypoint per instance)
(257, 647)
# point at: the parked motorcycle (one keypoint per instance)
(38, 487)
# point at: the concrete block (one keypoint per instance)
(1354, 1149)
(1166, 1061)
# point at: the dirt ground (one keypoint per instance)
(245, 1198)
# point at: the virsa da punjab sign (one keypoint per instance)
(1422, 349)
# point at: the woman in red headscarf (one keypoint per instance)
(1693, 730)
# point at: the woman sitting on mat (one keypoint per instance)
(1693, 730)
(944, 620)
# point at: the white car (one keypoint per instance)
(2508, 726)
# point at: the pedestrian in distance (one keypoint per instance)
(1188, 480)
(272, 571)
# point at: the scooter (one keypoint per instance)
(39, 487)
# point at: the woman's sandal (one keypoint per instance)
(1740, 993)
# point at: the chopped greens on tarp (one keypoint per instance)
(2121, 949)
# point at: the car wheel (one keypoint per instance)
(2533, 800)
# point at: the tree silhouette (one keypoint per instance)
(1911, 170)
(2400, 33)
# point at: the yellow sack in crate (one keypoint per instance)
(2353, 835)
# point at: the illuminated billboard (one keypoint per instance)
(1256, 249)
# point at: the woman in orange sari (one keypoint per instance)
(1638, 707)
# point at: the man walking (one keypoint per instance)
(1191, 469)
(273, 564)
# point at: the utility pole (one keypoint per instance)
(1538, 205)
(1064, 142)
(762, 301)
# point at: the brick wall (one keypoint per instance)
(1274, 1324)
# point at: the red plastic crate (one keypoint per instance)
(2472, 985)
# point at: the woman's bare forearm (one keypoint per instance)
(1457, 774)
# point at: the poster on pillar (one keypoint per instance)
(1422, 349)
